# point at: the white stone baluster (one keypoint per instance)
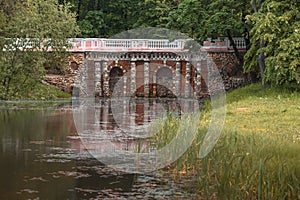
(187, 81)
(178, 79)
(198, 82)
(105, 80)
(146, 79)
(98, 74)
(133, 78)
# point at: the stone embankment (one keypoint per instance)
(65, 81)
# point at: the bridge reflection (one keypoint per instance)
(110, 128)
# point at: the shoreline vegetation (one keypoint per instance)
(41, 92)
(257, 155)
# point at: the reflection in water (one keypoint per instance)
(118, 131)
(42, 157)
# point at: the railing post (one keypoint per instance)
(133, 76)
(187, 80)
(98, 72)
(146, 79)
(178, 79)
(198, 79)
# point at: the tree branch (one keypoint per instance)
(236, 51)
(254, 6)
(260, 2)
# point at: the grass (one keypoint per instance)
(258, 153)
(43, 92)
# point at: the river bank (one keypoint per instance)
(257, 155)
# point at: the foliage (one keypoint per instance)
(203, 19)
(47, 24)
(154, 13)
(120, 16)
(92, 24)
(189, 18)
(106, 18)
(46, 92)
(277, 24)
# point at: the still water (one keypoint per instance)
(41, 157)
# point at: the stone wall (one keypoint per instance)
(230, 69)
(65, 81)
(227, 63)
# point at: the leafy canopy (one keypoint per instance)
(31, 29)
(277, 24)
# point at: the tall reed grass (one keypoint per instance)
(258, 153)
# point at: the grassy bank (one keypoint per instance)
(40, 92)
(258, 153)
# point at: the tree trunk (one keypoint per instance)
(99, 5)
(236, 51)
(254, 6)
(78, 10)
(91, 5)
(261, 63)
(261, 56)
(246, 33)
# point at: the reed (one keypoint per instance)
(258, 153)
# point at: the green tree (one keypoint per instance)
(31, 31)
(105, 18)
(92, 25)
(201, 19)
(154, 13)
(275, 43)
(119, 16)
(189, 18)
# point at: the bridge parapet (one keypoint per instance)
(150, 45)
(128, 45)
(223, 45)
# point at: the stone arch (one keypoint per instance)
(164, 74)
(165, 66)
(164, 82)
(115, 75)
(110, 67)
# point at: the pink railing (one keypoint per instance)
(117, 45)
(130, 45)
(99, 44)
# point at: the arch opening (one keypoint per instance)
(164, 82)
(115, 75)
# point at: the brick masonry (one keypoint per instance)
(142, 70)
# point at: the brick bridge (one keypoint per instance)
(148, 67)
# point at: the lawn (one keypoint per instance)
(258, 153)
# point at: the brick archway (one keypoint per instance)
(164, 82)
(139, 75)
(115, 75)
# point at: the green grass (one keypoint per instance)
(258, 153)
(43, 92)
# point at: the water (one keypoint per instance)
(41, 157)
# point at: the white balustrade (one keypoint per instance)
(125, 45)
(98, 44)
(240, 43)
(223, 44)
